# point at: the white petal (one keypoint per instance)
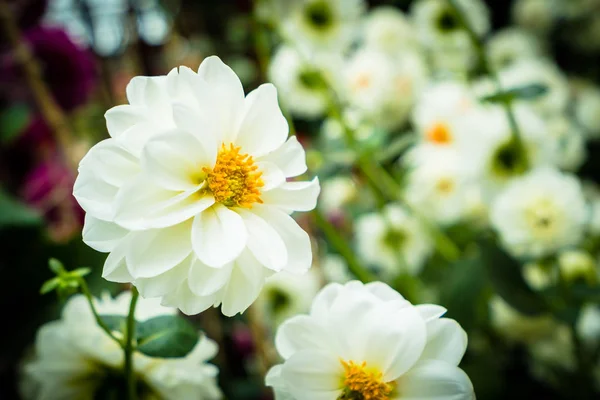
(446, 341)
(263, 127)
(102, 235)
(290, 158)
(135, 90)
(264, 242)
(313, 375)
(246, 281)
(295, 240)
(110, 162)
(115, 267)
(174, 160)
(430, 312)
(135, 138)
(152, 252)
(165, 283)
(120, 118)
(182, 85)
(435, 380)
(301, 332)
(218, 236)
(141, 205)
(94, 195)
(204, 280)
(396, 343)
(294, 196)
(324, 300)
(272, 176)
(188, 302)
(383, 291)
(193, 122)
(223, 99)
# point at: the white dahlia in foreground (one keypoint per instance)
(190, 194)
(75, 359)
(368, 342)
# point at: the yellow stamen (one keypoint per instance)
(445, 185)
(439, 133)
(362, 382)
(235, 180)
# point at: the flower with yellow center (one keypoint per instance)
(190, 195)
(540, 213)
(367, 342)
(364, 383)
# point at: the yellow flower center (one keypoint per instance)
(235, 180)
(445, 186)
(439, 133)
(364, 383)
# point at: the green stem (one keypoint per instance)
(88, 295)
(487, 68)
(129, 347)
(382, 181)
(341, 245)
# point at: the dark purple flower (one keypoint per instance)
(49, 189)
(69, 70)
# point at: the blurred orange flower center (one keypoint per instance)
(235, 180)
(439, 133)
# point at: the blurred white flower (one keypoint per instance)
(285, 295)
(538, 71)
(494, 154)
(588, 324)
(587, 110)
(537, 16)
(567, 142)
(393, 240)
(537, 276)
(322, 25)
(540, 213)
(388, 30)
(437, 24)
(511, 45)
(336, 192)
(368, 342)
(447, 42)
(189, 195)
(447, 114)
(382, 88)
(74, 358)
(592, 195)
(335, 269)
(302, 85)
(437, 183)
(578, 265)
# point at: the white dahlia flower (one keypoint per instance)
(368, 342)
(286, 295)
(322, 25)
(190, 194)
(382, 88)
(393, 240)
(303, 85)
(511, 45)
(387, 29)
(437, 183)
(540, 213)
(75, 359)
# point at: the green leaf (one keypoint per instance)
(50, 285)
(80, 272)
(56, 266)
(13, 121)
(505, 276)
(115, 323)
(527, 92)
(14, 213)
(166, 336)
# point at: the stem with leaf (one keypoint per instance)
(88, 295)
(129, 346)
(489, 70)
